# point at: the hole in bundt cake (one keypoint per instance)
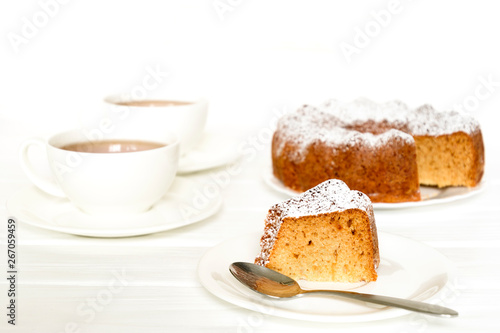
(376, 127)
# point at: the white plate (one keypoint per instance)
(408, 269)
(181, 206)
(430, 195)
(214, 150)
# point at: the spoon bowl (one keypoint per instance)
(271, 283)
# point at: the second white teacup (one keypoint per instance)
(120, 174)
(184, 118)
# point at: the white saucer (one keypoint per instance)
(408, 269)
(184, 204)
(430, 195)
(214, 150)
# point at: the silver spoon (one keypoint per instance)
(274, 284)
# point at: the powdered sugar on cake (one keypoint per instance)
(330, 123)
(424, 120)
(363, 109)
(437, 123)
(330, 196)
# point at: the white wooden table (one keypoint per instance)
(149, 283)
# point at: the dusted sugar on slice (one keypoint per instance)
(327, 233)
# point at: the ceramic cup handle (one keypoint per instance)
(43, 183)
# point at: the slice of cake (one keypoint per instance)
(327, 233)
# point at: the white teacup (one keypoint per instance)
(184, 118)
(115, 182)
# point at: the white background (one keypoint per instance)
(249, 58)
(246, 60)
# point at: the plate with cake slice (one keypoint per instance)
(326, 238)
(407, 269)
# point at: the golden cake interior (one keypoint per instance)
(450, 160)
(337, 246)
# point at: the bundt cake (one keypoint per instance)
(327, 233)
(383, 150)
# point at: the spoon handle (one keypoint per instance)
(394, 302)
